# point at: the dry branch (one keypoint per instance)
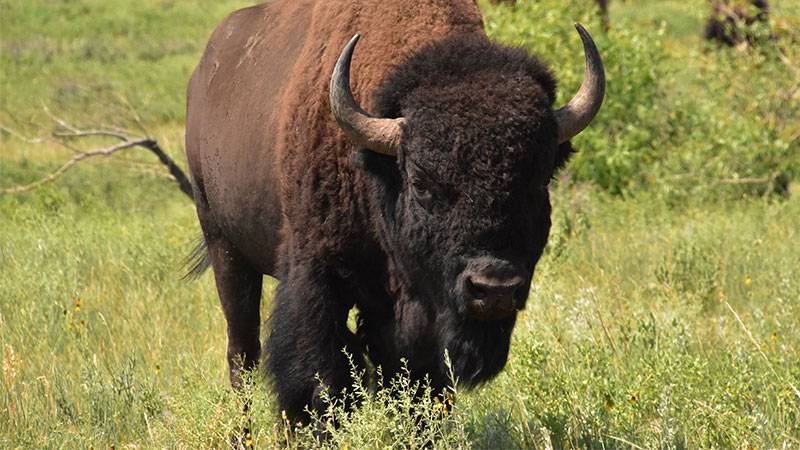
(126, 141)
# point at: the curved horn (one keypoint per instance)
(380, 135)
(580, 111)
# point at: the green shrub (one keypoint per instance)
(682, 121)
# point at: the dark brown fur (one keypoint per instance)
(279, 189)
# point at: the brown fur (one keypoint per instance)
(279, 190)
(260, 139)
(227, 102)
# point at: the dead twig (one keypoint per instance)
(63, 123)
(125, 142)
(136, 118)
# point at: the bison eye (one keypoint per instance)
(422, 192)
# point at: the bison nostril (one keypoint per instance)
(493, 289)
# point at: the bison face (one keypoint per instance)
(472, 213)
(460, 169)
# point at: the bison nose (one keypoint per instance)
(493, 297)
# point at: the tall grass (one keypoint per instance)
(664, 313)
(627, 334)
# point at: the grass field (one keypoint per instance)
(664, 314)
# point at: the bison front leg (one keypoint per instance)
(307, 342)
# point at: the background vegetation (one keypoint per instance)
(665, 313)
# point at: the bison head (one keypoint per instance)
(463, 165)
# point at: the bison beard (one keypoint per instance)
(428, 218)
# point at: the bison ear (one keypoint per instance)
(382, 170)
(563, 153)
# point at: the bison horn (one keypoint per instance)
(380, 135)
(580, 111)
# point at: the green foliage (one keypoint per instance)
(398, 413)
(620, 342)
(682, 121)
(691, 270)
(620, 145)
(93, 56)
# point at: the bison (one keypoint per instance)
(427, 214)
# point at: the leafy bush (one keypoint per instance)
(682, 121)
(396, 413)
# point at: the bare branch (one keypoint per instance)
(74, 160)
(174, 169)
(58, 120)
(126, 142)
(762, 180)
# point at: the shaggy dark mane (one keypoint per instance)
(450, 61)
(454, 59)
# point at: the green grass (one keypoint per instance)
(664, 314)
(74, 56)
